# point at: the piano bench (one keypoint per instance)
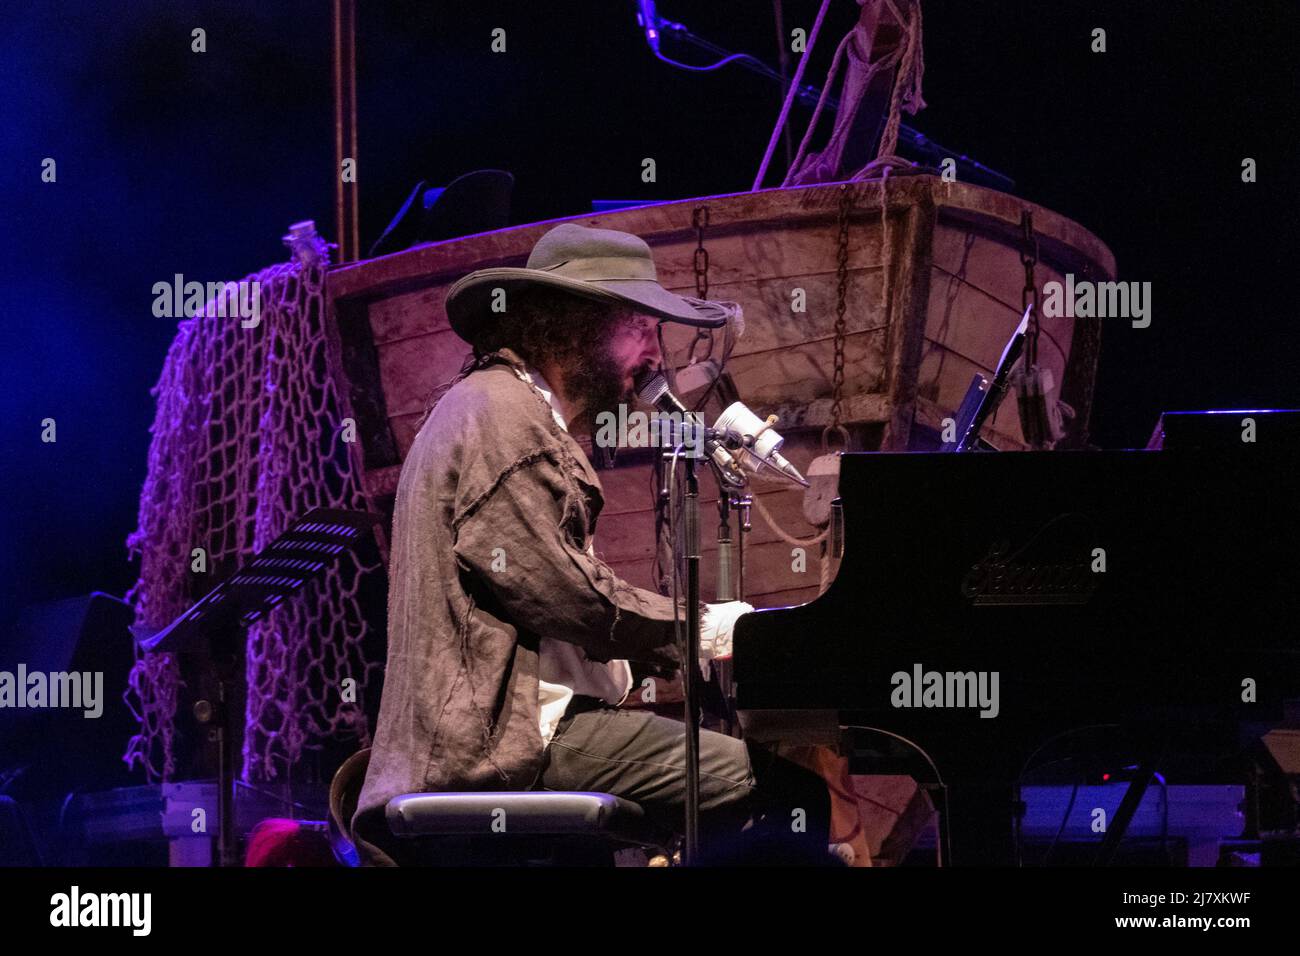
(521, 828)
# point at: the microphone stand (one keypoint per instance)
(691, 683)
(692, 680)
(690, 544)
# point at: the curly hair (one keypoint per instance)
(547, 325)
(544, 325)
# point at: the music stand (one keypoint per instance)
(214, 624)
(984, 397)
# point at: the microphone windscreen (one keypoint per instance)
(650, 387)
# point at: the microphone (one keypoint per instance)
(649, 22)
(652, 388)
(737, 424)
(740, 426)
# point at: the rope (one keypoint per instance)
(824, 571)
(907, 82)
(884, 248)
(248, 435)
(789, 97)
(783, 535)
(817, 111)
(824, 579)
(909, 59)
(846, 111)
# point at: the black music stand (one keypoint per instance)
(983, 396)
(217, 621)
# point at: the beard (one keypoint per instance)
(595, 381)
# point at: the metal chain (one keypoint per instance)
(700, 220)
(841, 326)
(1029, 259)
(1088, 345)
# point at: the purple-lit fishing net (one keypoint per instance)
(248, 435)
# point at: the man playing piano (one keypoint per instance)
(509, 639)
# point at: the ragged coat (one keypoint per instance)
(495, 509)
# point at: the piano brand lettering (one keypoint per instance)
(954, 689)
(72, 909)
(1099, 300)
(57, 689)
(1053, 567)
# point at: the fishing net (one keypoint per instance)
(250, 434)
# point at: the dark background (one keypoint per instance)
(171, 161)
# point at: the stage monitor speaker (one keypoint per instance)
(60, 748)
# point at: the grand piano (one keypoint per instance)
(995, 612)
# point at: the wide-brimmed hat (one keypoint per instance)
(600, 264)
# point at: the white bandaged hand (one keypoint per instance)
(716, 624)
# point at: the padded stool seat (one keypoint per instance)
(524, 814)
(449, 829)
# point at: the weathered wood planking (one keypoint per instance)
(948, 255)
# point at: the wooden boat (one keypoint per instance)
(934, 281)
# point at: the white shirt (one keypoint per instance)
(563, 668)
